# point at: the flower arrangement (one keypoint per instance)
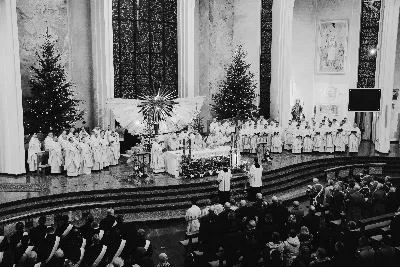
(204, 166)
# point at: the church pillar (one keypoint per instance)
(281, 58)
(385, 72)
(102, 54)
(12, 152)
(186, 55)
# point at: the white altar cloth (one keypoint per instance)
(174, 158)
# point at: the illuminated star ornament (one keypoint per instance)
(158, 106)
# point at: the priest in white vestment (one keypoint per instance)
(277, 139)
(48, 141)
(288, 136)
(354, 139)
(72, 158)
(297, 140)
(105, 150)
(97, 151)
(329, 145)
(213, 126)
(33, 149)
(87, 157)
(114, 150)
(340, 140)
(157, 157)
(319, 140)
(307, 140)
(55, 156)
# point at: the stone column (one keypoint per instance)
(12, 152)
(281, 60)
(102, 53)
(186, 57)
(385, 72)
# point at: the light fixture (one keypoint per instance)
(373, 51)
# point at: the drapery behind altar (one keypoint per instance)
(127, 113)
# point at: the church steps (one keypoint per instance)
(176, 198)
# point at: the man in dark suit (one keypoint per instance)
(365, 255)
(355, 201)
(108, 222)
(311, 221)
(93, 252)
(86, 229)
(297, 211)
(39, 232)
(395, 229)
(50, 241)
(15, 239)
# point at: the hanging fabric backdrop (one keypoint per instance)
(369, 38)
(265, 57)
(127, 113)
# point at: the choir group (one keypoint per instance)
(300, 136)
(76, 152)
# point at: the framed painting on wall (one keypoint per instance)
(328, 110)
(332, 46)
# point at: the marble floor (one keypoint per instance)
(32, 185)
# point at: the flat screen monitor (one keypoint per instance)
(365, 100)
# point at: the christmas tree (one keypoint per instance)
(237, 91)
(51, 105)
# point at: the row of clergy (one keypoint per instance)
(78, 153)
(323, 139)
(192, 140)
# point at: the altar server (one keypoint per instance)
(33, 150)
(329, 145)
(307, 140)
(354, 139)
(87, 157)
(297, 140)
(340, 140)
(277, 139)
(55, 156)
(224, 188)
(173, 142)
(72, 158)
(95, 144)
(288, 136)
(63, 137)
(255, 179)
(48, 141)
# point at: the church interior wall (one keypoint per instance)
(69, 21)
(323, 89)
(395, 114)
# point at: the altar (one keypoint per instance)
(174, 158)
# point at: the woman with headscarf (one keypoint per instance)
(33, 150)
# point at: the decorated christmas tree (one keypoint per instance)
(237, 91)
(52, 105)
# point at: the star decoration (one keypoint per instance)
(157, 106)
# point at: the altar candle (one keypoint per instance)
(190, 147)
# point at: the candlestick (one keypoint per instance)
(184, 147)
(190, 148)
